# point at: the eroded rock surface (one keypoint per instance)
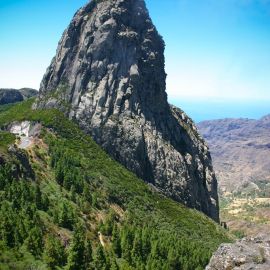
(108, 75)
(246, 254)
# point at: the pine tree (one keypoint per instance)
(76, 254)
(137, 247)
(116, 241)
(54, 253)
(114, 265)
(68, 179)
(34, 242)
(88, 255)
(109, 223)
(38, 197)
(126, 244)
(100, 258)
(173, 259)
(59, 174)
(146, 245)
(73, 193)
(66, 215)
(45, 202)
(94, 199)
(7, 217)
(87, 193)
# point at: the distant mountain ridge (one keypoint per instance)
(10, 95)
(240, 149)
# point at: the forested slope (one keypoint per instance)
(65, 204)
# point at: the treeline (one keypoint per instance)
(146, 248)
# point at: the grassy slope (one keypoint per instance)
(114, 183)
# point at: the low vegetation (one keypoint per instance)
(247, 211)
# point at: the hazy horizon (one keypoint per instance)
(199, 110)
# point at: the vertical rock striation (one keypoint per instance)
(108, 75)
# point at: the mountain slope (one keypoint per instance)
(8, 96)
(108, 75)
(240, 150)
(64, 201)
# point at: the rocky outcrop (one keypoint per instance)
(8, 96)
(108, 75)
(26, 132)
(246, 254)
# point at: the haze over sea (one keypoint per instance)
(200, 110)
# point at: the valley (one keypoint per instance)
(246, 215)
(241, 158)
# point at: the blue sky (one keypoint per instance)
(217, 52)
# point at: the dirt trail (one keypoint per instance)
(101, 239)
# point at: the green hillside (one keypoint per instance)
(65, 204)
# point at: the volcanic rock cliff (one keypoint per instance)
(108, 75)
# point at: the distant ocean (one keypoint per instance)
(200, 110)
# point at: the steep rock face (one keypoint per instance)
(108, 75)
